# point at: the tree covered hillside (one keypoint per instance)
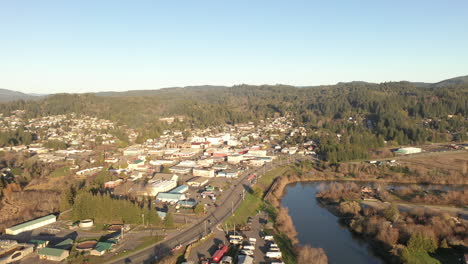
(363, 114)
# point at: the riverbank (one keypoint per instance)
(276, 193)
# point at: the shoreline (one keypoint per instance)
(277, 191)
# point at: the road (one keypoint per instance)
(231, 201)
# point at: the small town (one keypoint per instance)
(233, 132)
(184, 178)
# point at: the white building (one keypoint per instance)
(31, 225)
(203, 172)
(161, 187)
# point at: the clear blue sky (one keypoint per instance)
(81, 46)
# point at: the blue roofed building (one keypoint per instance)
(180, 189)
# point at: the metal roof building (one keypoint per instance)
(180, 189)
(170, 197)
(31, 225)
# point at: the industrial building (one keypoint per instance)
(53, 254)
(209, 173)
(180, 189)
(170, 197)
(197, 181)
(12, 251)
(408, 150)
(31, 225)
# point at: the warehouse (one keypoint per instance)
(170, 197)
(53, 254)
(180, 189)
(160, 187)
(409, 150)
(31, 225)
(197, 181)
(203, 172)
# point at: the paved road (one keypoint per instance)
(232, 198)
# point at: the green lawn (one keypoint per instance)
(247, 208)
(267, 179)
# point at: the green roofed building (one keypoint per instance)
(31, 225)
(65, 244)
(39, 243)
(53, 254)
(101, 248)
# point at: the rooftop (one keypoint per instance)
(32, 222)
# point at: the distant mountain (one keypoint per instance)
(158, 91)
(452, 81)
(9, 95)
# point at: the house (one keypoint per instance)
(53, 254)
(197, 181)
(101, 248)
(170, 197)
(31, 225)
(203, 172)
(112, 184)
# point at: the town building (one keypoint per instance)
(170, 197)
(31, 225)
(53, 254)
(209, 173)
(197, 181)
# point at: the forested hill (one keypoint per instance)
(365, 114)
(9, 95)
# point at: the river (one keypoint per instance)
(319, 228)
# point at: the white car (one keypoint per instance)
(273, 254)
(235, 241)
(248, 247)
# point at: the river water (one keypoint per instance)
(319, 228)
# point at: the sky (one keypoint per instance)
(88, 46)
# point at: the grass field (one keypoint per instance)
(248, 207)
(265, 181)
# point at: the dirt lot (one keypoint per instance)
(448, 161)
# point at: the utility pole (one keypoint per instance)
(205, 228)
(143, 217)
(243, 194)
(232, 207)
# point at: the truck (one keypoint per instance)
(218, 255)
